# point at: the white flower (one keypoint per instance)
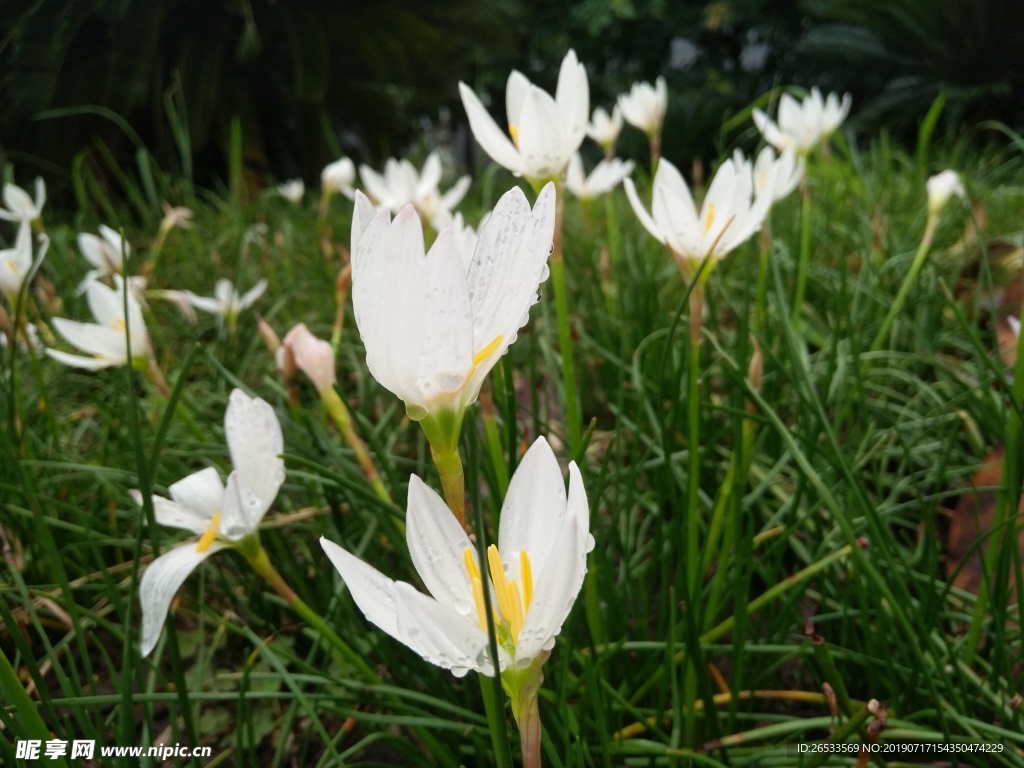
(787, 170)
(106, 253)
(292, 190)
(403, 185)
(605, 177)
(534, 573)
(644, 106)
(729, 216)
(18, 204)
(339, 176)
(104, 340)
(802, 125)
(941, 187)
(16, 262)
(432, 328)
(604, 129)
(1014, 324)
(226, 302)
(220, 514)
(545, 132)
(175, 216)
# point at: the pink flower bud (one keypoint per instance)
(314, 356)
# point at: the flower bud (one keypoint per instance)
(941, 187)
(313, 356)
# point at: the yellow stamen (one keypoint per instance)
(514, 133)
(210, 534)
(487, 351)
(477, 585)
(118, 325)
(526, 578)
(515, 621)
(499, 581)
(710, 219)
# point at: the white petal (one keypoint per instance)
(87, 363)
(556, 586)
(533, 509)
(543, 143)
(201, 492)
(508, 265)
(445, 337)
(175, 515)
(94, 339)
(516, 88)
(430, 177)
(206, 304)
(572, 95)
(641, 213)
(487, 133)
(255, 441)
(437, 545)
(253, 293)
(454, 196)
(160, 583)
(106, 304)
(362, 214)
(118, 247)
(18, 201)
(439, 634)
(372, 591)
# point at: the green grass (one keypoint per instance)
(820, 504)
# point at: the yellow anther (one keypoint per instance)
(487, 351)
(515, 621)
(477, 586)
(210, 534)
(710, 219)
(499, 581)
(514, 133)
(526, 579)
(118, 325)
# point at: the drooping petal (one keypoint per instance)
(437, 543)
(255, 441)
(160, 583)
(769, 130)
(202, 492)
(487, 133)
(371, 590)
(534, 507)
(439, 634)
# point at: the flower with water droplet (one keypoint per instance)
(544, 131)
(533, 576)
(222, 515)
(432, 328)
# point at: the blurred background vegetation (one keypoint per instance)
(268, 89)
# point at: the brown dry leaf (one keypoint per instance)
(971, 521)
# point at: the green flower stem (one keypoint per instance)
(915, 269)
(259, 561)
(522, 687)
(336, 408)
(493, 439)
(574, 424)
(453, 482)
(693, 559)
(805, 254)
(764, 252)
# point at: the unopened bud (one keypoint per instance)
(313, 356)
(755, 370)
(268, 335)
(941, 187)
